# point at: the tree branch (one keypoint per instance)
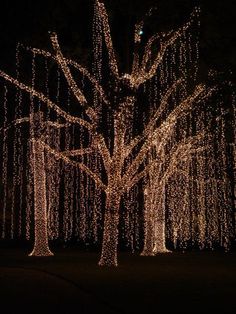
(145, 74)
(80, 165)
(182, 151)
(78, 152)
(70, 80)
(132, 170)
(178, 112)
(107, 36)
(137, 177)
(100, 141)
(47, 101)
(77, 66)
(62, 62)
(183, 108)
(151, 125)
(14, 123)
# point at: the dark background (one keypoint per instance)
(29, 21)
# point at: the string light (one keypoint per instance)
(4, 164)
(114, 164)
(40, 202)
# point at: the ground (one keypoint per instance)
(71, 282)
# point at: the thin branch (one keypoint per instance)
(145, 75)
(77, 66)
(182, 152)
(78, 152)
(62, 62)
(70, 80)
(56, 124)
(201, 92)
(151, 125)
(47, 101)
(14, 123)
(137, 177)
(100, 141)
(107, 36)
(178, 112)
(147, 146)
(80, 165)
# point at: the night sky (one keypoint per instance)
(28, 22)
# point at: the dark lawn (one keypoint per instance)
(71, 282)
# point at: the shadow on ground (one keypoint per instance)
(71, 282)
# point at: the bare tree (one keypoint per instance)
(137, 148)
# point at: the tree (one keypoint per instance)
(125, 160)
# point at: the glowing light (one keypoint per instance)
(171, 155)
(40, 203)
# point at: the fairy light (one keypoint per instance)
(20, 149)
(107, 35)
(68, 183)
(40, 202)
(159, 154)
(20, 159)
(52, 166)
(4, 164)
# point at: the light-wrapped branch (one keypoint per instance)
(107, 37)
(165, 128)
(182, 152)
(104, 151)
(151, 125)
(201, 93)
(78, 152)
(145, 74)
(47, 101)
(15, 123)
(152, 141)
(78, 67)
(57, 125)
(63, 64)
(80, 165)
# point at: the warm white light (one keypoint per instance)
(173, 154)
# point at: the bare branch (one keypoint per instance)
(182, 152)
(147, 51)
(80, 165)
(47, 101)
(137, 177)
(80, 68)
(70, 80)
(62, 62)
(14, 123)
(151, 125)
(107, 36)
(147, 146)
(78, 152)
(57, 125)
(200, 93)
(148, 74)
(165, 128)
(100, 142)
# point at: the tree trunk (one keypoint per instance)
(110, 232)
(154, 235)
(160, 225)
(40, 204)
(160, 239)
(148, 230)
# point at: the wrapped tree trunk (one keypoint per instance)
(41, 247)
(154, 222)
(160, 225)
(149, 216)
(110, 231)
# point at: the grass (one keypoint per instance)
(71, 282)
